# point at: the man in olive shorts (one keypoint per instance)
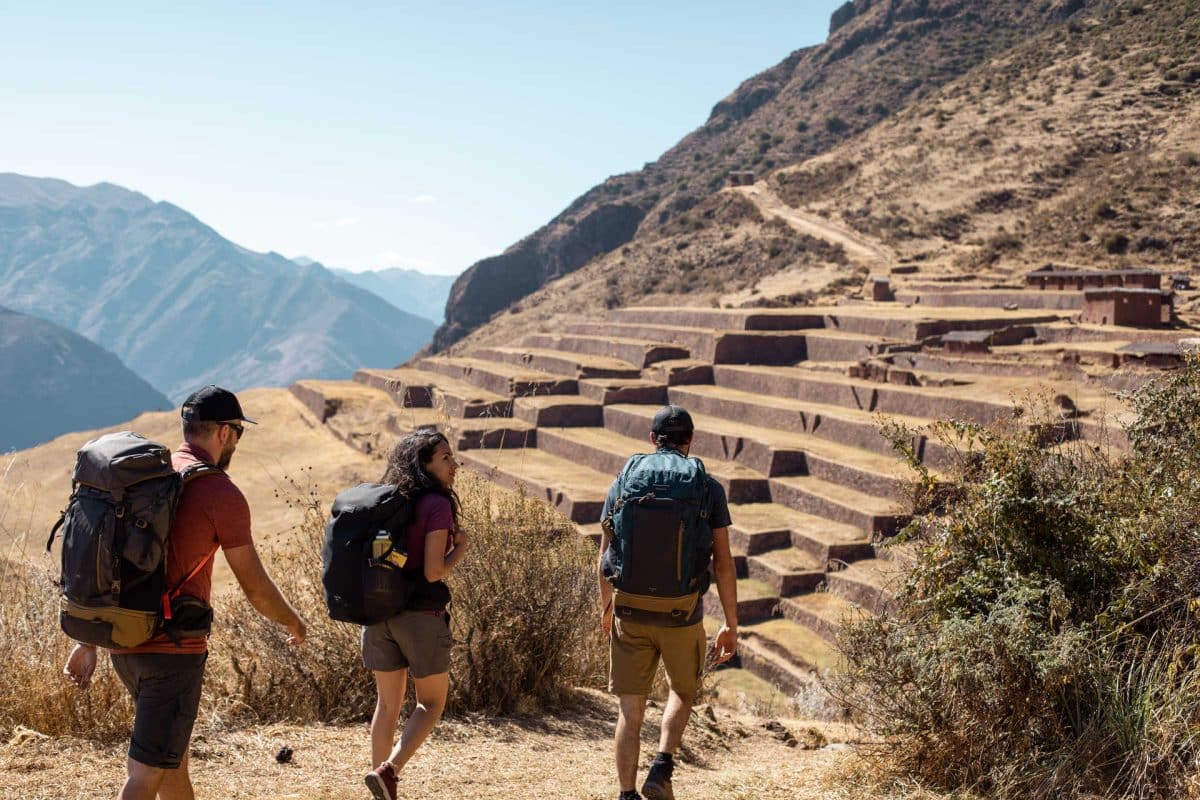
(635, 647)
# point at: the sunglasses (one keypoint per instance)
(238, 428)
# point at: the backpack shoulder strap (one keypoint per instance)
(404, 515)
(629, 465)
(187, 475)
(171, 595)
(198, 470)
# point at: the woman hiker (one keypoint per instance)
(416, 641)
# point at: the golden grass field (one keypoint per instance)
(288, 443)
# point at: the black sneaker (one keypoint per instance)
(658, 782)
(630, 795)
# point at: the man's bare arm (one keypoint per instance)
(726, 574)
(262, 592)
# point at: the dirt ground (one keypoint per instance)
(725, 755)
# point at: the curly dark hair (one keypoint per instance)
(406, 466)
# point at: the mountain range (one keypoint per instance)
(953, 136)
(53, 380)
(409, 290)
(179, 304)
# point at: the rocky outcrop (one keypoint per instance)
(495, 283)
(803, 106)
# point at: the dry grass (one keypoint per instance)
(36, 482)
(520, 601)
(33, 693)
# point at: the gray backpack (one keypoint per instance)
(115, 539)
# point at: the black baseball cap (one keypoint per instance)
(213, 404)
(672, 419)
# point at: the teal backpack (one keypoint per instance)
(660, 540)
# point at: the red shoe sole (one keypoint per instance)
(378, 787)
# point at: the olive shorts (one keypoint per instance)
(635, 648)
(418, 641)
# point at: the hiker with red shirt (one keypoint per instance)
(164, 674)
(417, 640)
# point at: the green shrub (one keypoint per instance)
(1045, 643)
(1115, 243)
(835, 124)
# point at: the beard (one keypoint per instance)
(226, 456)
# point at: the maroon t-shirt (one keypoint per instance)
(212, 512)
(433, 513)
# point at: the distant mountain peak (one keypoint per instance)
(131, 274)
(53, 381)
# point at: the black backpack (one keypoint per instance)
(115, 538)
(661, 543)
(363, 581)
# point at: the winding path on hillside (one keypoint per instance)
(857, 246)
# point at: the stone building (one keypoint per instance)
(1137, 308)
(1065, 280)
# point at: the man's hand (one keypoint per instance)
(80, 665)
(725, 647)
(297, 630)
(606, 617)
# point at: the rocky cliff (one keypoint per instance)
(881, 56)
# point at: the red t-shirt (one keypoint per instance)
(433, 513)
(212, 511)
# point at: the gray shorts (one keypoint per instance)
(166, 696)
(418, 641)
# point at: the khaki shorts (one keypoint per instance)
(635, 648)
(414, 640)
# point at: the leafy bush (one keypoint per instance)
(835, 124)
(1115, 243)
(1045, 643)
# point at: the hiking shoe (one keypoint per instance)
(658, 782)
(382, 781)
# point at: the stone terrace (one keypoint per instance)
(787, 405)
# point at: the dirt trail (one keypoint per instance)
(565, 755)
(857, 247)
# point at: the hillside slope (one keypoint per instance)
(285, 461)
(1075, 146)
(53, 380)
(178, 303)
(879, 58)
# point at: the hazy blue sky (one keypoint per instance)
(368, 135)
